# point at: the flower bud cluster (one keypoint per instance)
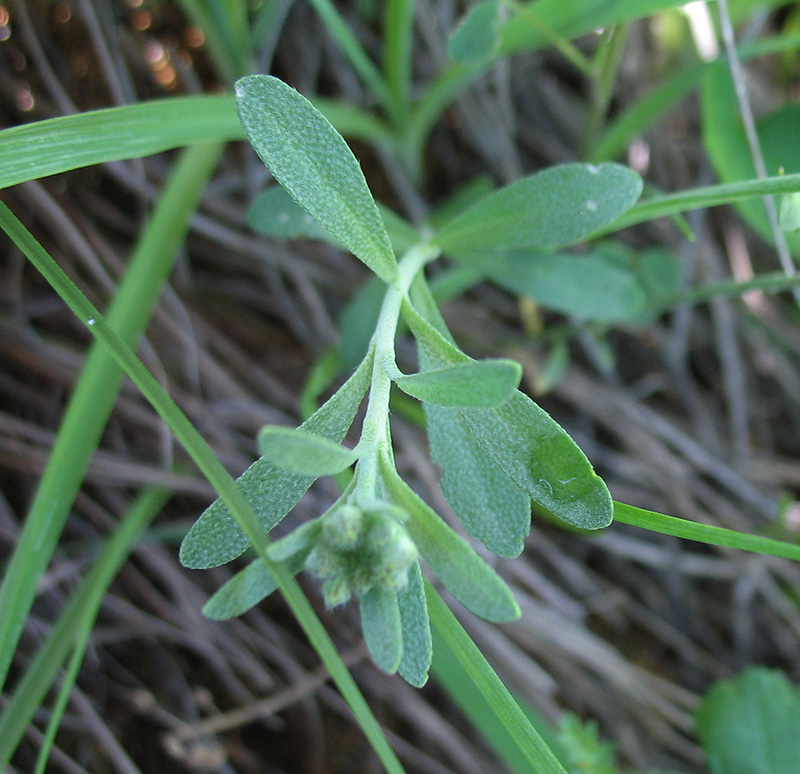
(361, 548)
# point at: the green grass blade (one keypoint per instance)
(216, 475)
(44, 148)
(353, 50)
(525, 736)
(95, 392)
(398, 27)
(710, 196)
(703, 533)
(74, 625)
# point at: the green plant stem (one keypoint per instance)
(767, 283)
(216, 475)
(375, 439)
(703, 533)
(73, 626)
(525, 736)
(95, 393)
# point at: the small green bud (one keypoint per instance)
(336, 591)
(399, 554)
(343, 527)
(397, 580)
(324, 563)
(383, 533)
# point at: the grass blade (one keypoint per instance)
(73, 627)
(703, 533)
(56, 145)
(95, 393)
(216, 475)
(524, 735)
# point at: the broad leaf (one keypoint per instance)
(477, 384)
(301, 451)
(380, 622)
(491, 507)
(750, 725)
(244, 590)
(416, 626)
(468, 578)
(275, 214)
(587, 286)
(533, 450)
(538, 455)
(477, 35)
(216, 538)
(311, 160)
(553, 208)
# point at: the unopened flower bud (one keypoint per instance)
(336, 591)
(323, 562)
(343, 527)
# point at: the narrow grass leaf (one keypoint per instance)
(215, 538)
(468, 578)
(553, 208)
(416, 630)
(527, 739)
(538, 455)
(750, 725)
(301, 451)
(312, 161)
(478, 384)
(245, 590)
(380, 622)
(95, 392)
(476, 37)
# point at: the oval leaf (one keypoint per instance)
(311, 160)
(380, 622)
(468, 578)
(553, 208)
(416, 626)
(478, 384)
(216, 538)
(301, 451)
(478, 34)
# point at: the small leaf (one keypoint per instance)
(297, 543)
(380, 622)
(477, 35)
(416, 626)
(586, 286)
(750, 725)
(468, 578)
(216, 538)
(301, 451)
(311, 160)
(553, 208)
(478, 384)
(491, 507)
(244, 590)
(789, 213)
(538, 455)
(275, 214)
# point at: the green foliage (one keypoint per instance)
(750, 725)
(300, 451)
(476, 38)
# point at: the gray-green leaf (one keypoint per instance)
(275, 214)
(553, 208)
(311, 160)
(301, 451)
(468, 578)
(476, 384)
(476, 37)
(380, 622)
(586, 286)
(244, 590)
(216, 538)
(416, 626)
